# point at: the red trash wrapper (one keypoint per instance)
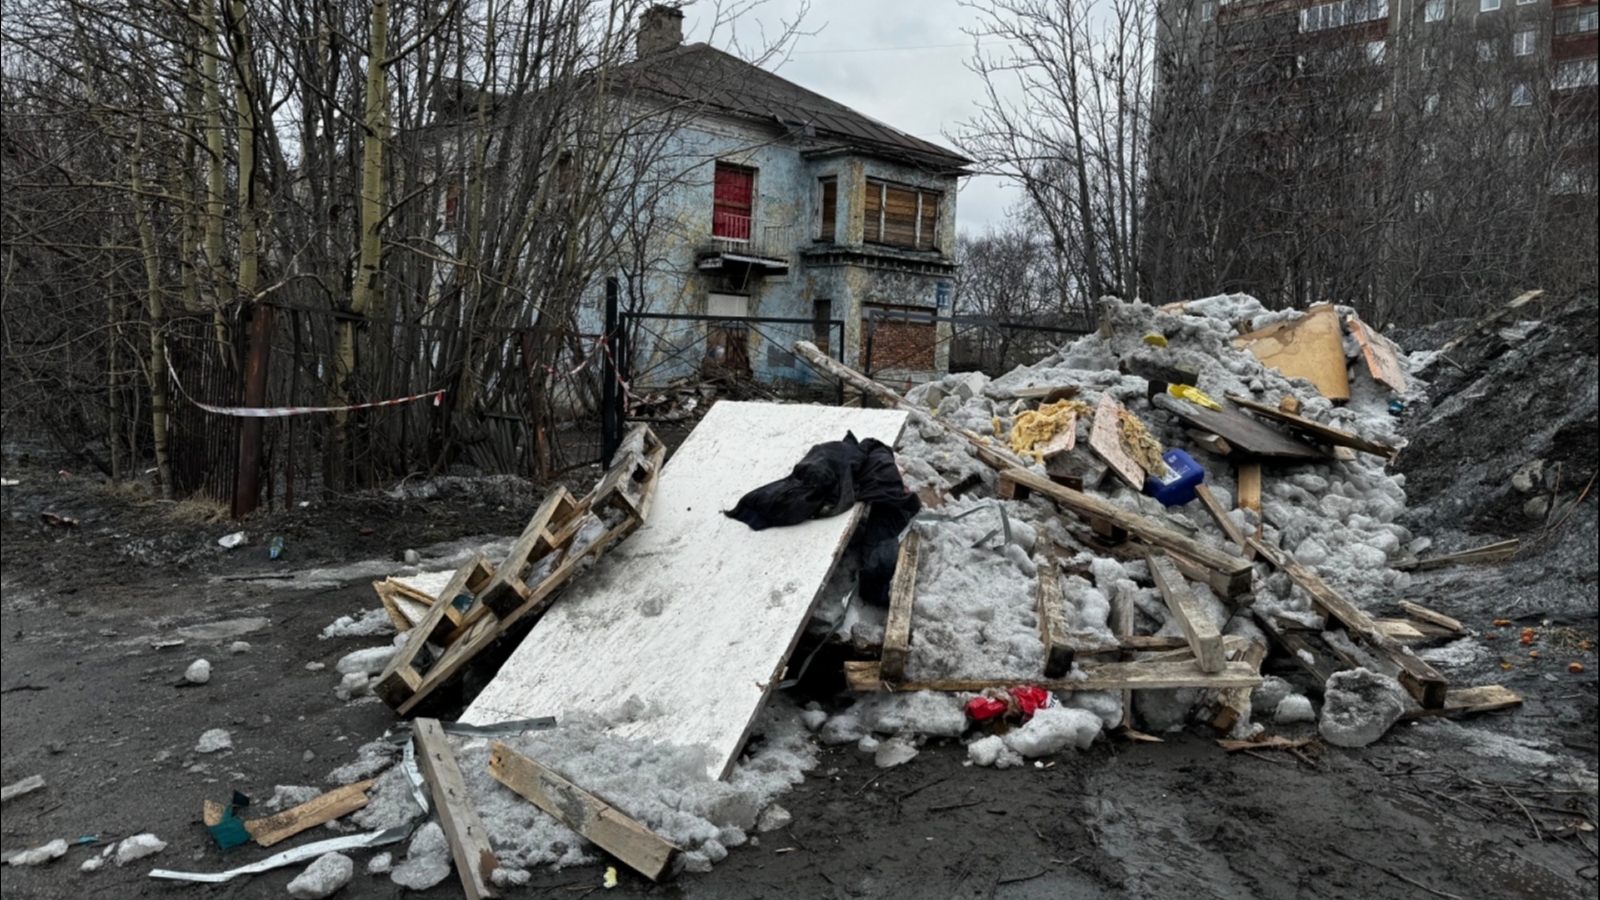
(1030, 699)
(982, 709)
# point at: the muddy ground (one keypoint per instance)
(1499, 806)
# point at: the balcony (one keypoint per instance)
(740, 246)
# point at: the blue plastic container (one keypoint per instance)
(1177, 486)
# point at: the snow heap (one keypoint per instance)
(665, 787)
(976, 600)
(326, 875)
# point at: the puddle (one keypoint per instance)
(221, 630)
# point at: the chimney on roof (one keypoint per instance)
(660, 30)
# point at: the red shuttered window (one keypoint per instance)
(734, 197)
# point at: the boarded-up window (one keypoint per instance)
(828, 209)
(901, 216)
(734, 193)
(893, 340)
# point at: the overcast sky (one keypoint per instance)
(900, 62)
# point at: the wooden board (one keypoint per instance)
(469, 840)
(1111, 676)
(1053, 632)
(1204, 638)
(1417, 611)
(317, 811)
(902, 595)
(1497, 552)
(1310, 347)
(607, 827)
(1299, 650)
(695, 614)
(1243, 435)
(1220, 516)
(1225, 708)
(1383, 356)
(1321, 432)
(1468, 700)
(1420, 679)
(1234, 570)
(1105, 439)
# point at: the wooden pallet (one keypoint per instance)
(539, 564)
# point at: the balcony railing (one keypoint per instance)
(734, 233)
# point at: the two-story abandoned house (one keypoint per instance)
(792, 206)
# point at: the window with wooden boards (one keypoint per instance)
(733, 200)
(900, 216)
(828, 209)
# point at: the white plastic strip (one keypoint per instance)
(296, 855)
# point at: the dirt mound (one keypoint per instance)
(1507, 440)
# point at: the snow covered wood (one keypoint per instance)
(1326, 433)
(609, 828)
(902, 596)
(1053, 631)
(1204, 638)
(696, 614)
(469, 840)
(1113, 676)
(1421, 680)
(1235, 571)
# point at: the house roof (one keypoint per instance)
(702, 74)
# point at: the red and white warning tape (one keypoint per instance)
(272, 412)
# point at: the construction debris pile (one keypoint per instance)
(1113, 540)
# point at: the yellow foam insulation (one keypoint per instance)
(1038, 426)
(1140, 444)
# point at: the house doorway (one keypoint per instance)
(727, 342)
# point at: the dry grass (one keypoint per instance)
(136, 492)
(198, 511)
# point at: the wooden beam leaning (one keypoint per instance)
(1204, 638)
(1058, 646)
(1113, 676)
(1234, 572)
(1220, 515)
(609, 828)
(1321, 432)
(1420, 679)
(902, 591)
(991, 455)
(469, 840)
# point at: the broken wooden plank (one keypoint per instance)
(902, 595)
(1310, 347)
(1499, 551)
(1209, 442)
(316, 811)
(1225, 708)
(1420, 679)
(1401, 630)
(607, 827)
(1383, 355)
(1235, 571)
(1053, 632)
(1491, 320)
(1248, 478)
(1202, 633)
(1220, 516)
(1321, 432)
(1105, 439)
(1470, 700)
(469, 840)
(1110, 676)
(1240, 433)
(696, 614)
(1418, 611)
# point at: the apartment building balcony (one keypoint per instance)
(740, 245)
